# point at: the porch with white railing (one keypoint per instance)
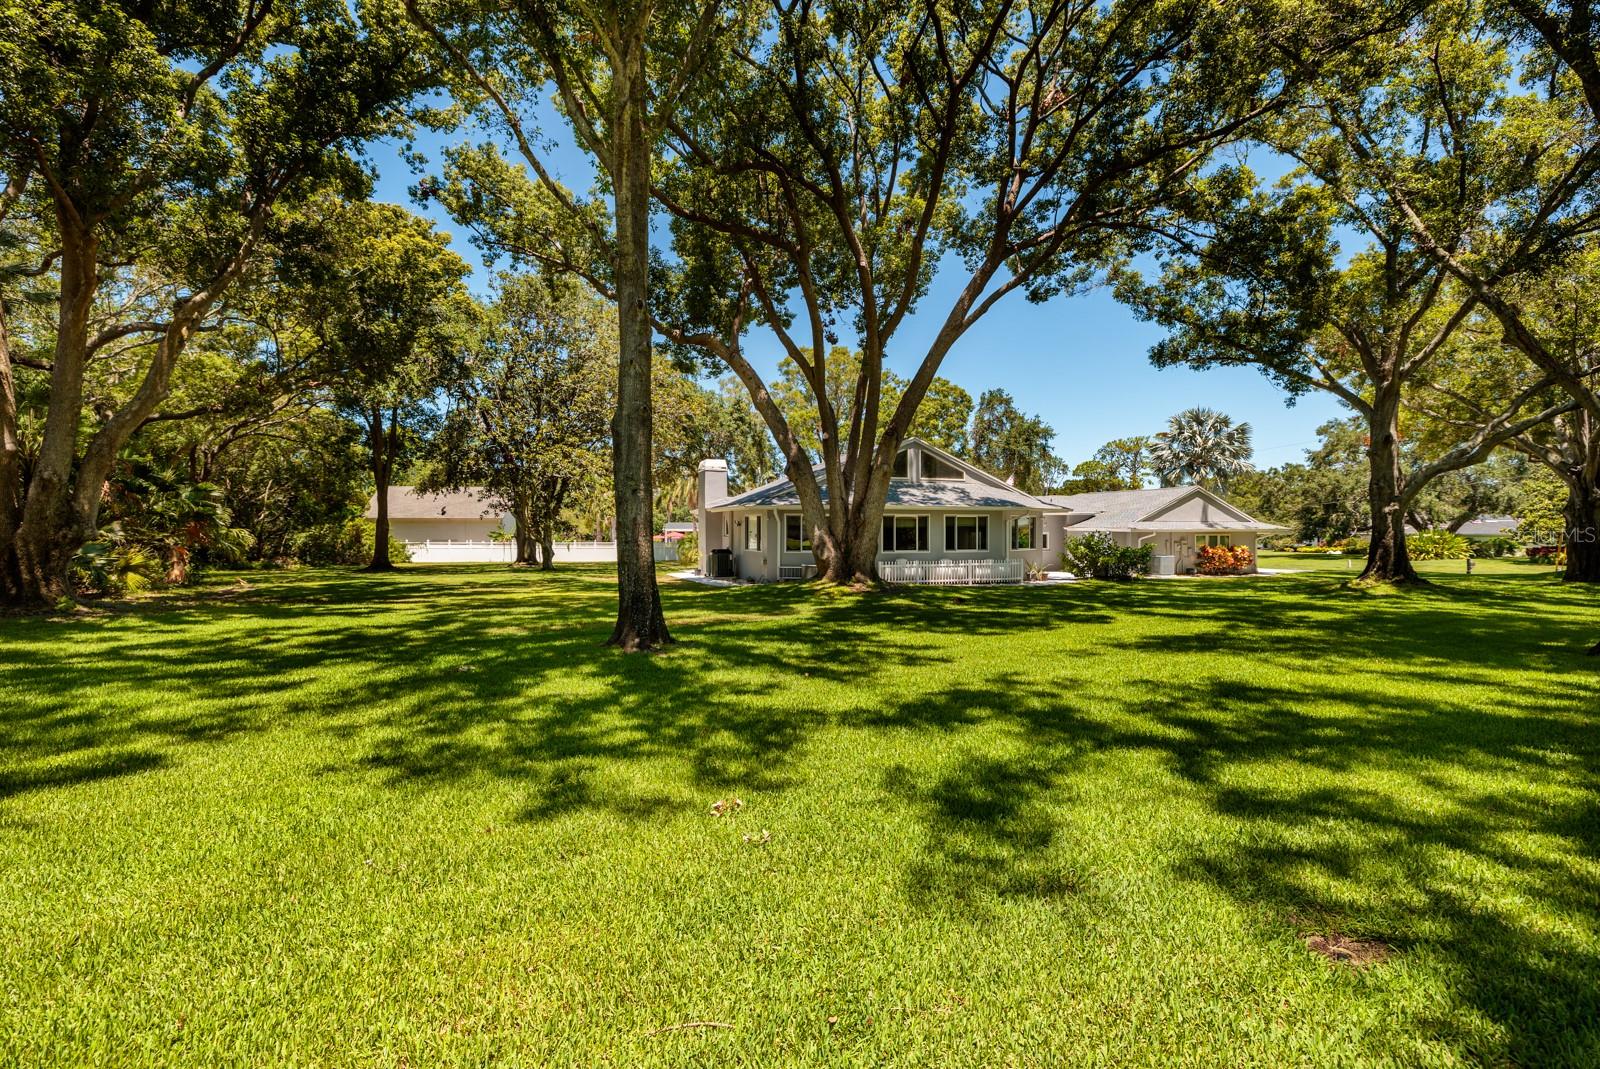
(951, 572)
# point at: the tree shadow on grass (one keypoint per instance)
(1484, 863)
(1463, 833)
(71, 771)
(989, 834)
(1505, 621)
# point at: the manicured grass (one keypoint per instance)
(425, 820)
(1351, 566)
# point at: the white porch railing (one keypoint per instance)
(951, 572)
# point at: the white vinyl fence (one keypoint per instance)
(465, 552)
(951, 572)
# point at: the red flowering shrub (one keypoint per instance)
(1548, 554)
(1224, 560)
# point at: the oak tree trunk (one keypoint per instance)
(10, 471)
(640, 622)
(1582, 514)
(51, 530)
(382, 465)
(1387, 559)
(848, 550)
(526, 540)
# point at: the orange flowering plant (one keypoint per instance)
(1224, 560)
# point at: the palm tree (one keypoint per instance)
(1201, 446)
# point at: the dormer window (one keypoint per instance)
(902, 465)
(935, 468)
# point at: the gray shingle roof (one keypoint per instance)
(406, 504)
(1113, 509)
(972, 492)
(941, 494)
(1485, 526)
(1126, 510)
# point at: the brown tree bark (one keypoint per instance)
(10, 470)
(526, 538)
(547, 549)
(1583, 532)
(640, 623)
(382, 441)
(50, 530)
(1387, 558)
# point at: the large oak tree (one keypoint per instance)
(1522, 134)
(855, 149)
(168, 138)
(530, 419)
(620, 73)
(383, 299)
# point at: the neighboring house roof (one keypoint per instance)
(1488, 526)
(979, 490)
(405, 503)
(1119, 508)
(1144, 511)
(684, 528)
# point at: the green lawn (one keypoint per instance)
(1351, 566)
(425, 820)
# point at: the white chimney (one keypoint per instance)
(713, 485)
(710, 486)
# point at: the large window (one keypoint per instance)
(1022, 533)
(905, 533)
(752, 532)
(902, 465)
(795, 538)
(1212, 540)
(934, 468)
(966, 532)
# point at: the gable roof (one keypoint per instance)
(979, 490)
(1142, 511)
(405, 503)
(1119, 507)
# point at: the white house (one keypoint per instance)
(457, 517)
(1174, 521)
(456, 528)
(946, 520)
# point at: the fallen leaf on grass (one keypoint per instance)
(687, 1025)
(723, 807)
(1356, 953)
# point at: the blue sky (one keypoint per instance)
(1078, 362)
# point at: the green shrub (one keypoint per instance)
(350, 542)
(1438, 545)
(689, 549)
(1097, 556)
(1498, 546)
(111, 570)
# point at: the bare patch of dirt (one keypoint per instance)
(1356, 953)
